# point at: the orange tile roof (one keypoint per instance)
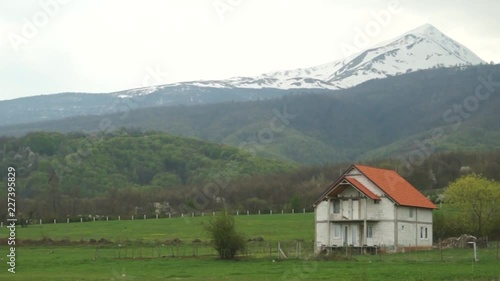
(396, 187)
(362, 188)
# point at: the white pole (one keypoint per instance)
(156, 216)
(132, 217)
(293, 211)
(259, 212)
(1, 224)
(94, 218)
(202, 214)
(247, 213)
(271, 212)
(182, 215)
(475, 251)
(237, 213)
(81, 219)
(107, 219)
(118, 217)
(282, 211)
(169, 215)
(304, 210)
(144, 216)
(40, 221)
(67, 220)
(54, 221)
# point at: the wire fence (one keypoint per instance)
(88, 218)
(299, 250)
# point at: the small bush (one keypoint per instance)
(226, 241)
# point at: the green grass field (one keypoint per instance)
(151, 260)
(284, 227)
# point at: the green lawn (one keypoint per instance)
(284, 227)
(161, 261)
(78, 263)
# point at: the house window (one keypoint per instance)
(336, 231)
(411, 212)
(423, 232)
(369, 232)
(336, 206)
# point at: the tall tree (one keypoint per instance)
(475, 202)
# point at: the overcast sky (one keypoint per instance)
(51, 46)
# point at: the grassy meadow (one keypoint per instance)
(138, 250)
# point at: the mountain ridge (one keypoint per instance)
(421, 48)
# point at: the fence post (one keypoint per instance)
(118, 217)
(54, 221)
(1, 224)
(247, 213)
(132, 217)
(270, 212)
(281, 211)
(440, 249)
(304, 210)
(237, 213)
(67, 220)
(156, 216)
(107, 219)
(169, 215)
(497, 249)
(182, 215)
(293, 211)
(259, 212)
(144, 216)
(94, 218)
(81, 219)
(40, 221)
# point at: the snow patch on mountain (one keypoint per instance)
(421, 48)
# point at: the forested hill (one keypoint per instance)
(81, 165)
(377, 119)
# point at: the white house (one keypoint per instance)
(367, 207)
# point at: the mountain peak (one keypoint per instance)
(421, 48)
(425, 29)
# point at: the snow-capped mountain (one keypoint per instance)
(421, 48)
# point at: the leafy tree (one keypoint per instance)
(225, 239)
(475, 202)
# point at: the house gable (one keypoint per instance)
(396, 187)
(375, 182)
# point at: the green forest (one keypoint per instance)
(383, 118)
(129, 172)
